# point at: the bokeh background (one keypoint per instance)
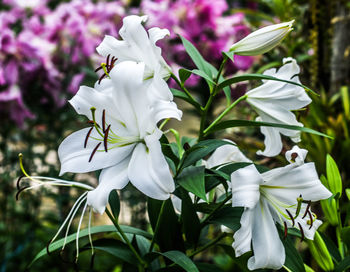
(47, 50)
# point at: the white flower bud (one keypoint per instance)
(262, 40)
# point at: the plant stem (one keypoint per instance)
(210, 215)
(142, 262)
(178, 82)
(224, 113)
(339, 230)
(157, 226)
(202, 248)
(222, 65)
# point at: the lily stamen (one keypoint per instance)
(291, 217)
(285, 230)
(300, 201)
(106, 137)
(104, 121)
(307, 209)
(311, 220)
(301, 232)
(94, 151)
(87, 136)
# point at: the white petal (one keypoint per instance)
(111, 178)
(119, 49)
(308, 229)
(226, 154)
(245, 187)
(156, 33)
(272, 141)
(267, 246)
(148, 170)
(243, 236)
(291, 181)
(300, 155)
(166, 109)
(75, 158)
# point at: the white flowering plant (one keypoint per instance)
(201, 192)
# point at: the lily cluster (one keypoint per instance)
(132, 97)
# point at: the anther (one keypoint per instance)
(87, 136)
(311, 220)
(307, 209)
(104, 120)
(291, 217)
(294, 156)
(105, 138)
(18, 182)
(20, 191)
(94, 151)
(285, 229)
(107, 61)
(301, 232)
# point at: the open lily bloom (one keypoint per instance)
(124, 138)
(281, 195)
(274, 101)
(137, 45)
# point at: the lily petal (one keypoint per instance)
(272, 141)
(245, 187)
(300, 155)
(243, 236)
(148, 170)
(75, 158)
(111, 178)
(267, 246)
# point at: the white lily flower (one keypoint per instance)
(274, 101)
(262, 40)
(279, 195)
(124, 141)
(137, 45)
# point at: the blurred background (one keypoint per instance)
(47, 50)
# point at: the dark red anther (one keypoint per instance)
(106, 137)
(100, 79)
(18, 182)
(311, 220)
(107, 61)
(104, 120)
(94, 151)
(90, 122)
(285, 229)
(294, 156)
(307, 209)
(98, 69)
(301, 232)
(291, 217)
(87, 136)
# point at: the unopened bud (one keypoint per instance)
(262, 40)
(329, 208)
(320, 253)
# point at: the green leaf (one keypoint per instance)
(347, 191)
(245, 77)
(114, 203)
(228, 216)
(229, 55)
(332, 248)
(293, 260)
(345, 234)
(184, 96)
(246, 123)
(206, 207)
(197, 58)
(343, 265)
(333, 176)
(169, 233)
(192, 180)
(206, 267)
(117, 249)
(199, 151)
(203, 75)
(84, 233)
(184, 74)
(190, 220)
(181, 260)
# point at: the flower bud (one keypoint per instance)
(333, 176)
(329, 208)
(262, 40)
(320, 253)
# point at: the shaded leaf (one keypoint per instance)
(192, 180)
(228, 216)
(114, 203)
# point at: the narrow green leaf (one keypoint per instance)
(228, 216)
(183, 96)
(246, 123)
(169, 235)
(184, 74)
(344, 91)
(206, 267)
(192, 180)
(203, 75)
(347, 191)
(84, 233)
(246, 77)
(181, 260)
(190, 220)
(333, 176)
(199, 151)
(293, 260)
(345, 234)
(117, 249)
(344, 265)
(206, 207)
(229, 55)
(114, 203)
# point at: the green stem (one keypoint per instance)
(142, 262)
(178, 82)
(204, 117)
(210, 215)
(221, 68)
(157, 226)
(339, 231)
(202, 248)
(224, 113)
